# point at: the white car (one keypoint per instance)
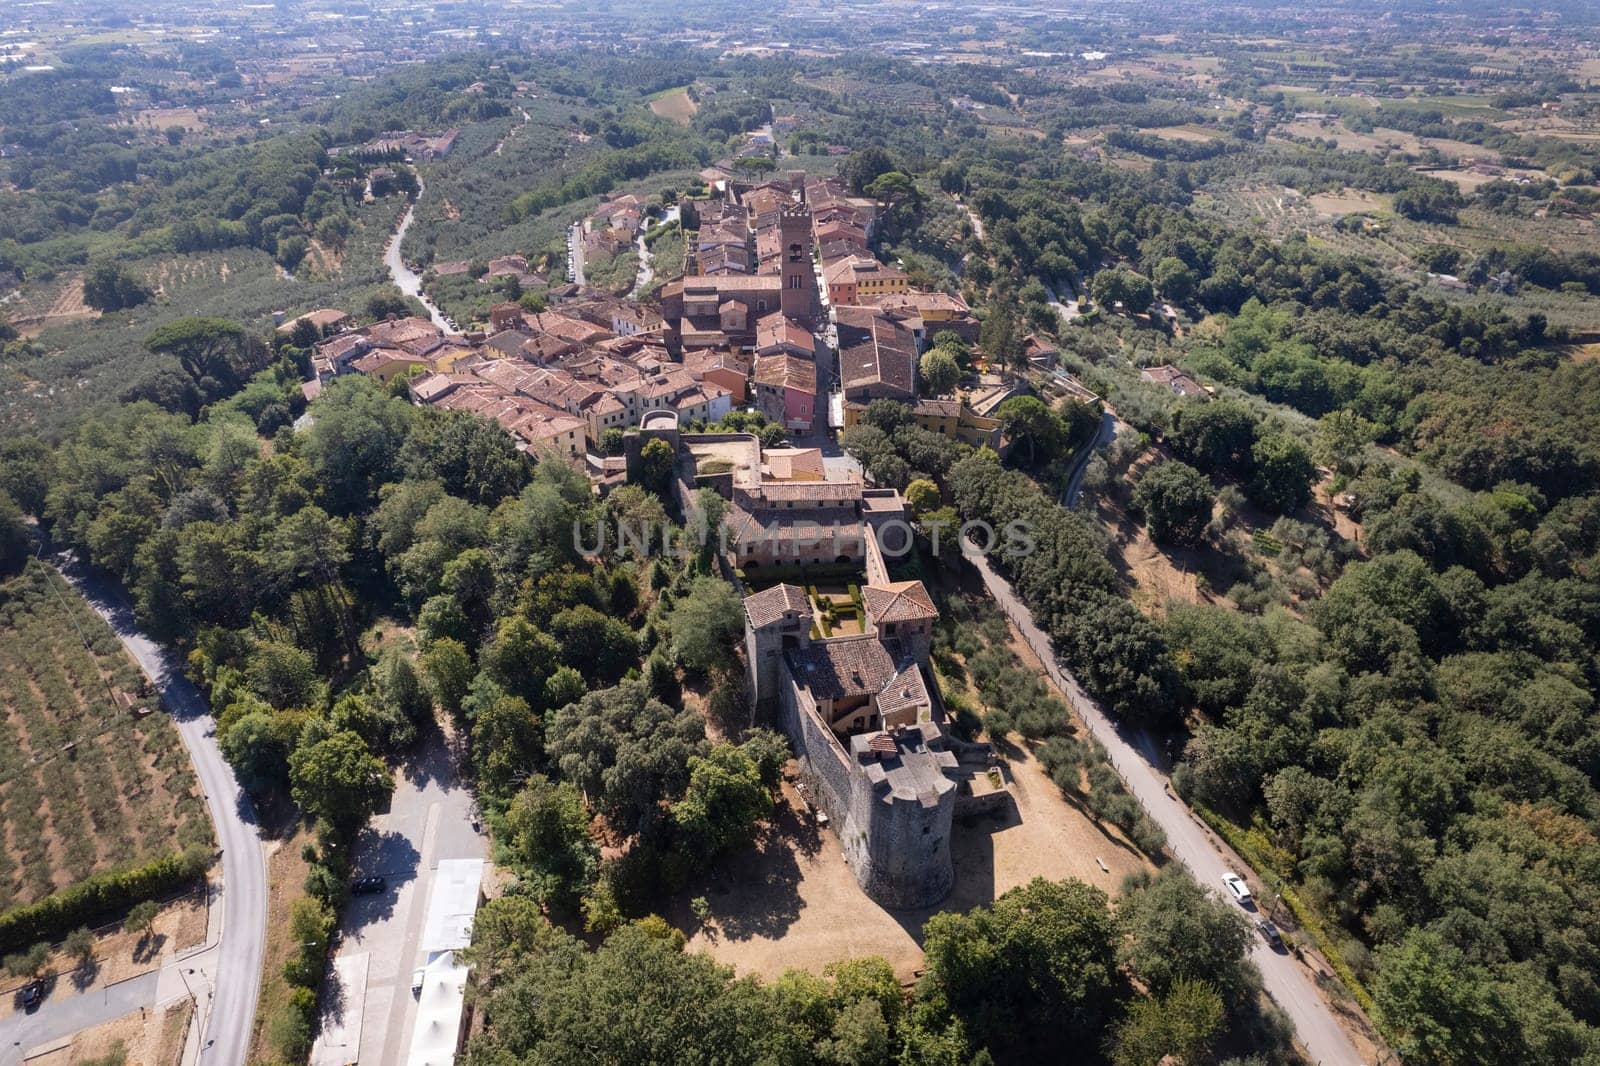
(1236, 885)
(416, 981)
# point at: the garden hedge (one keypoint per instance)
(93, 901)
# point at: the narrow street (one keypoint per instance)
(575, 254)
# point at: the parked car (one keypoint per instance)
(1270, 934)
(1237, 888)
(416, 981)
(32, 993)
(368, 886)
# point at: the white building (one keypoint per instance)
(441, 1022)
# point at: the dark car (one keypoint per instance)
(1270, 934)
(368, 886)
(32, 993)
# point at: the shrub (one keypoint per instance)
(95, 899)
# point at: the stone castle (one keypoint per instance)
(868, 729)
(861, 708)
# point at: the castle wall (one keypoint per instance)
(822, 758)
(898, 848)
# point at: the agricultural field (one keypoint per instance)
(87, 781)
(1191, 132)
(89, 359)
(675, 104)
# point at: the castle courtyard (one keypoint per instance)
(791, 902)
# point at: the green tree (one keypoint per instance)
(217, 354)
(1028, 421)
(1181, 1024)
(339, 780)
(548, 831)
(1174, 279)
(448, 670)
(283, 675)
(939, 372)
(520, 659)
(80, 944)
(725, 801)
(1216, 436)
(1121, 285)
(112, 287)
(1438, 1008)
(1283, 474)
(1175, 500)
(257, 753)
(1174, 932)
(638, 998)
(15, 542)
(141, 917)
(1033, 970)
(28, 965)
(598, 646)
(505, 743)
(1341, 441)
(706, 623)
(311, 926)
(624, 749)
(655, 467)
(922, 496)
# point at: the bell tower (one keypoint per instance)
(799, 299)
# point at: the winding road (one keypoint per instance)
(406, 279)
(227, 1014)
(1287, 981)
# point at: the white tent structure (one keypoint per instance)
(437, 1034)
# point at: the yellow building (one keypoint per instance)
(948, 418)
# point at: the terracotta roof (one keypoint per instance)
(875, 348)
(769, 606)
(776, 329)
(938, 408)
(1174, 379)
(402, 330)
(859, 666)
(322, 318)
(786, 371)
(899, 601)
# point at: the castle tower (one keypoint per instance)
(799, 298)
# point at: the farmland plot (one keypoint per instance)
(87, 781)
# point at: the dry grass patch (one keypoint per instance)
(144, 1038)
(286, 878)
(676, 105)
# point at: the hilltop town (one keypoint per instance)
(779, 307)
(830, 533)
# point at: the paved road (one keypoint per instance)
(575, 254)
(1103, 436)
(226, 1026)
(1067, 309)
(1285, 979)
(429, 819)
(61, 1017)
(406, 279)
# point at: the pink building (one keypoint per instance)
(786, 390)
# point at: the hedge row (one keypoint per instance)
(1308, 919)
(92, 901)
